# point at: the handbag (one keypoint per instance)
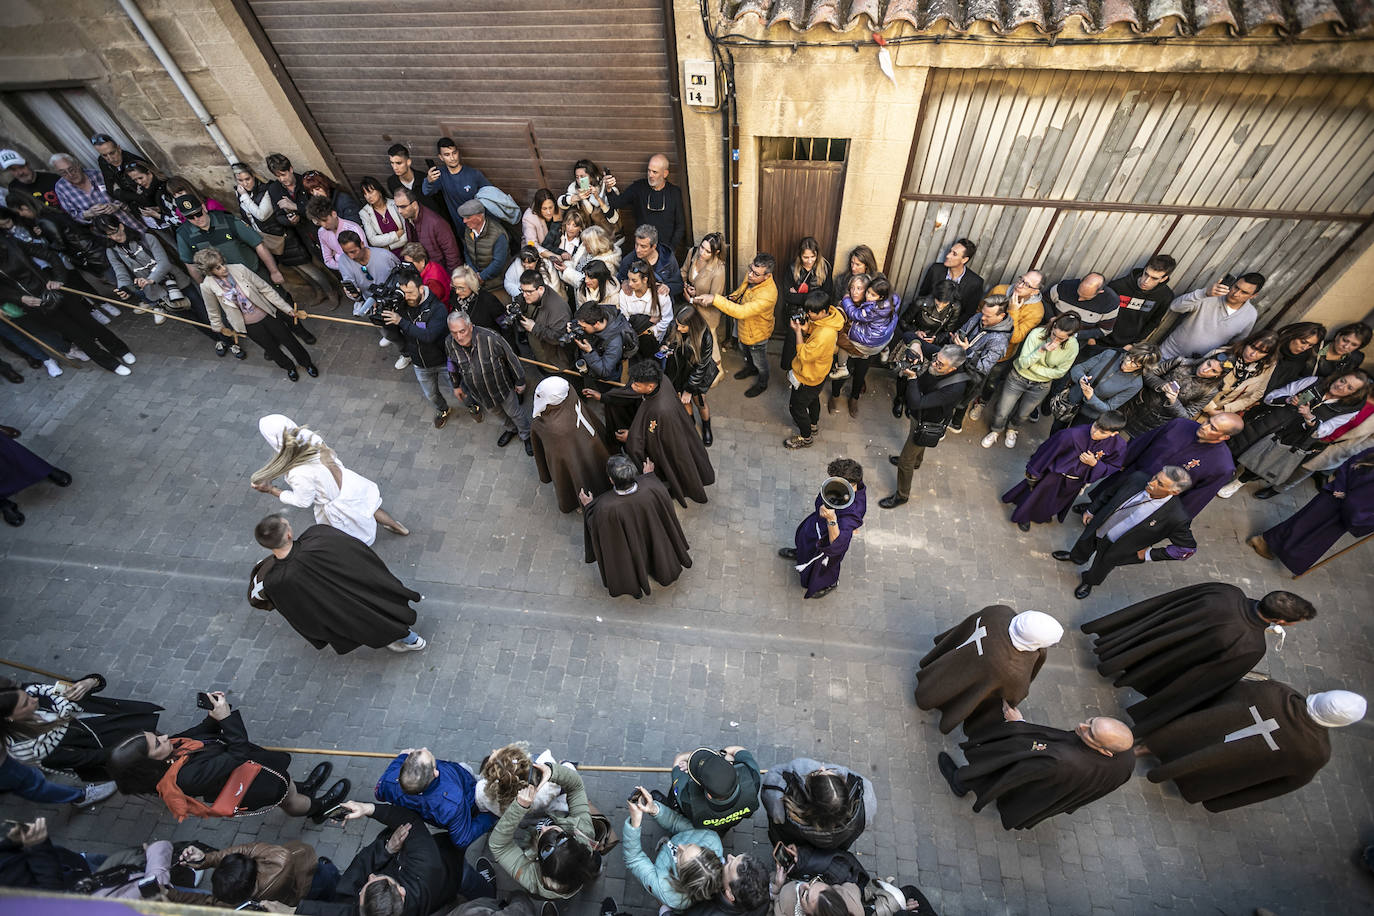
(275, 243)
(928, 433)
(1063, 409)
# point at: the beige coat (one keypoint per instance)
(259, 291)
(1241, 397)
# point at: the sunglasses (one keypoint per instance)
(546, 850)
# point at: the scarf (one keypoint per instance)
(235, 294)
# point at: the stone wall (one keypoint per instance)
(92, 43)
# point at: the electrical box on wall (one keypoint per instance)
(699, 82)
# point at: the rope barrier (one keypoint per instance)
(338, 752)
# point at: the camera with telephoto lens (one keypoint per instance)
(514, 313)
(386, 297)
(572, 332)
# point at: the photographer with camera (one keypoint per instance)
(485, 371)
(545, 318)
(419, 317)
(202, 771)
(933, 388)
(605, 339)
(362, 268)
(816, 328)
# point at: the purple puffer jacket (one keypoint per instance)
(872, 323)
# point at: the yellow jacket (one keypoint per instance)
(812, 363)
(754, 310)
(1024, 320)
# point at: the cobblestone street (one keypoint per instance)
(140, 571)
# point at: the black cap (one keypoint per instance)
(186, 205)
(710, 770)
(103, 138)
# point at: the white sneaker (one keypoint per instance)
(402, 362)
(383, 342)
(975, 411)
(129, 359)
(54, 370)
(399, 646)
(99, 316)
(111, 310)
(1011, 438)
(174, 294)
(78, 354)
(122, 370)
(990, 439)
(95, 792)
(1231, 489)
(159, 318)
(840, 372)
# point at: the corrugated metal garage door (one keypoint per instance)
(526, 87)
(1073, 172)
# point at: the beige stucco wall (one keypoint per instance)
(840, 92)
(92, 43)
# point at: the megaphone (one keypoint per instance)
(837, 493)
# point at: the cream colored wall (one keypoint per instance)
(814, 92)
(93, 43)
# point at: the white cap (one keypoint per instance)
(9, 158)
(1335, 708)
(1032, 630)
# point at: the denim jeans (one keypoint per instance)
(430, 380)
(757, 356)
(27, 782)
(1018, 397)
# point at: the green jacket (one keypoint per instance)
(521, 860)
(703, 812)
(1036, 363)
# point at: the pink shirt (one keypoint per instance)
(329, 241)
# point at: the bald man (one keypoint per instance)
(656, 201)
(1089, 299)
(1034, 772)
(1198, 446)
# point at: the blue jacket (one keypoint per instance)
(1109, 392)
(666, 271)
(448, 803)
(656, 875)
(871, 323)
(457, 187)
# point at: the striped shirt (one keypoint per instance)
(487, 369)
(76, 201)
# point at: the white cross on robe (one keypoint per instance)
(979, 631)
(1263, 727)
(257, 588)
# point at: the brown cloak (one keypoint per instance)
(967, 679)
(566, 453)
(1034, 772)
(635, 536)
(663, 432)
(1179, 649)
(335, 591)
(1221, 774)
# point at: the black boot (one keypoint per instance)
(706, 437)
(897, 405)
(317, 776)
(11, 513)
(337, 793)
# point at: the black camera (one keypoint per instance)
(907, 359)
(798, 315)
(514, 313)
(572, 332)
(385, 298)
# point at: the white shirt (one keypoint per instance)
(630, 304)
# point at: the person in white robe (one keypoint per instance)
(318, 480)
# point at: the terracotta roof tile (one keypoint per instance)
(1159, 17)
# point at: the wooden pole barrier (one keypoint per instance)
(140, 308)
(1334, 555)
(62, 356)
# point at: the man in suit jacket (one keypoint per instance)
(1126, 520)
(954, 267)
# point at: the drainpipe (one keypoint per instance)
(168, 64)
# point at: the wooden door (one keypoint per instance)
(797, 199)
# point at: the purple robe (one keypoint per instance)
(1059, 475)
(1209, 463)
(820, 556)
(19, 467)
(1300, 540)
